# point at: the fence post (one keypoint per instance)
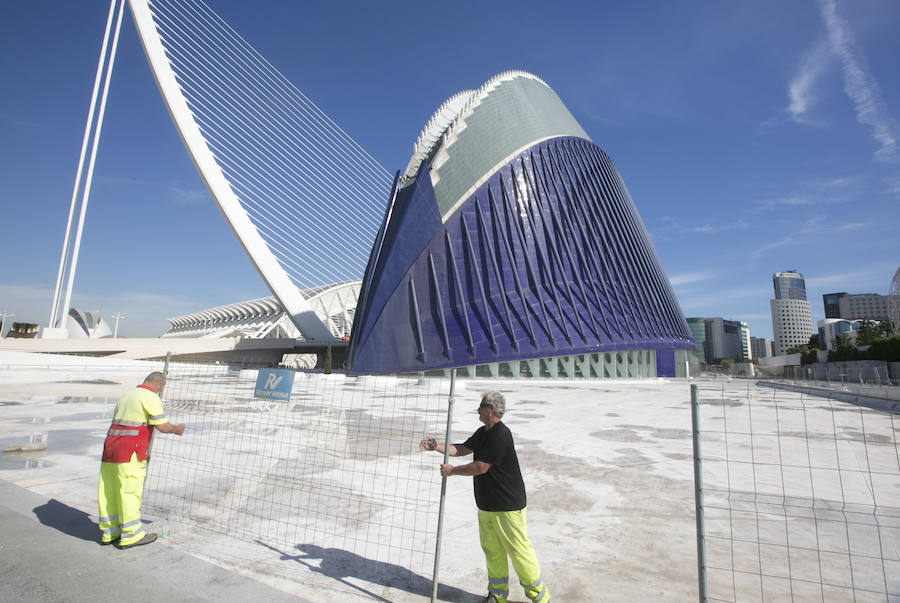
(698, 494)
(328, 360)
(437, 546)
(152, 431)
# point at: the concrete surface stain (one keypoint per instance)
(616, 435)
(661, 433)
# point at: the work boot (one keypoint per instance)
(489, 598)
(147, 539)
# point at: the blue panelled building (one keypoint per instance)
(511, 247)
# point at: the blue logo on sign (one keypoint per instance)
(274, 384)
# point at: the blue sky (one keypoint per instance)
(754, 137)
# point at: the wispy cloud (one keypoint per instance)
(674, 227)
(759, 316)
(838, 183)
(764, 249)
(860, 85)
(814, 224)
(137, 302)
(802, 90)
(792, 200)
(820, 193)
(691, 277)
(191, 196)
(713, 228)
(692, 306)
(18, 122)
(800, 236)
(847, 281)
(31, 303)
(892, 186)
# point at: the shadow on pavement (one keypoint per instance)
(67, 520)
(340, 565)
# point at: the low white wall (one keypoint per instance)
(869, 371)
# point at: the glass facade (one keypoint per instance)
(832, 303)
(789, 285)
(698, 332)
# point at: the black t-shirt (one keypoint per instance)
(501, 488)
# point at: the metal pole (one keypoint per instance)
(698, 494)
(437, 546)
(3, 320)
(152, 431)
(80, 170)
(89, 177)
(117, 315)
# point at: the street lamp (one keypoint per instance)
(3, 320)
(117, 316)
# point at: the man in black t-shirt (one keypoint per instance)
(500, 497)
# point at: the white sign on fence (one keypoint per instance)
(274, 384)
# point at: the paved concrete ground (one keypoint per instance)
(49, 552)
(607, 466)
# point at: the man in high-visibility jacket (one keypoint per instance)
(124, 463)
(500, 497)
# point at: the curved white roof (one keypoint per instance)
(334, 304)
(254, 308)
(434, 130)
(475, 132)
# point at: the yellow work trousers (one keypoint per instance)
(503, 535)
(119, 499)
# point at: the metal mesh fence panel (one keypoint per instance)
(800, 497)
(333, 475)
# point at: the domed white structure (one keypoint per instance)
(87, 325)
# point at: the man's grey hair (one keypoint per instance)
(155, 377)
(496, 400)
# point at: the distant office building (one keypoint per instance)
(698, 332)
(791, 315)
(746, 348)
(831, 329)
(719, 339)
(862, 306)
(23, 330)
(831, 302)
(762, 347)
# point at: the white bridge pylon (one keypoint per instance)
(304, 200)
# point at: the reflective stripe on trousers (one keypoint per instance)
(119, 495)
(499, 587)
(504, 535)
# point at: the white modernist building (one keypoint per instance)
(304, 199)
(791, 314)
(746, 346)
(791, 323)
(832, 328)
(86, 325)
(266, 318)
